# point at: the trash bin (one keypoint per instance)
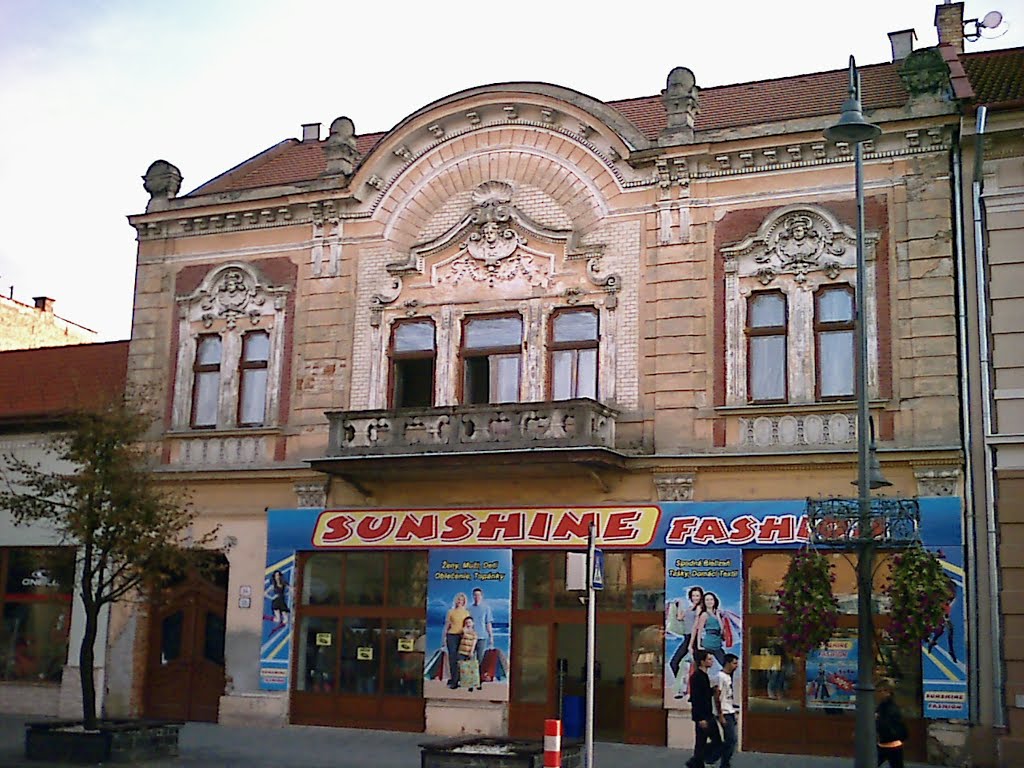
(574, 709)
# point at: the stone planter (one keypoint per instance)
(115, 741)
(486, 752)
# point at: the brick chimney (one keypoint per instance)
(43, 303)
(949, 24)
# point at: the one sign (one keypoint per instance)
(598, 575)
(365, 653)
(575, 571)
(324, 638)
(405, 644)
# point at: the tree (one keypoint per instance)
(128, 527)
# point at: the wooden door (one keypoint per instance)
(185, 665)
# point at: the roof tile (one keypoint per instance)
(996, 76)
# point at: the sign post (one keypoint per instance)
(595, 581)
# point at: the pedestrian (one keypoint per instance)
(889, 725)
(702, 712)
(725, 703)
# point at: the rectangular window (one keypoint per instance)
(766, 347)
(252, 378)
(833, 333)
(573, 362)
(206, 381)
(491, 353)
(413, 355)
(35, 609)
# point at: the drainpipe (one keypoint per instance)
(984, 354)
(971, 583)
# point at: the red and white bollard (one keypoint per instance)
(552, 744)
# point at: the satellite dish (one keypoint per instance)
(992, 20)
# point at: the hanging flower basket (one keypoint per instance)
(808, 609)
(920, 594)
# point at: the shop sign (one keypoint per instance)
(548, 527)
(324, 638)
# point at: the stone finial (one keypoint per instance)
(681, 106)
(925, 72)
(340, 148)
(162, 181)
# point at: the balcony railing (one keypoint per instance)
(579, 423)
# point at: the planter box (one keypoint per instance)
(115, 741)
(484, 752)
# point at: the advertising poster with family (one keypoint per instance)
(703, 610)
(469, 610)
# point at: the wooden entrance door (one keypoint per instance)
(185, 665)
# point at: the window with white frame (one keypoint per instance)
(413, 357)
(491, 359)
(789, 311)
(573, 350)
(230, 351)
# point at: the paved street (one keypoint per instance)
(217, 746)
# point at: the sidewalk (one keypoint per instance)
(219, 746)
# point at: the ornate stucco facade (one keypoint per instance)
(666, 221)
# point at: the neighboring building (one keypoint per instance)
(42, 619)
(992, 193)
(396, 366)
(27, 327)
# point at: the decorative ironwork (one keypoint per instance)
(836, 522)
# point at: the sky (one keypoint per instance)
(93, 91)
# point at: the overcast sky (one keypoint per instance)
(92, 91)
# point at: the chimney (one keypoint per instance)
(43, 303)
(311, 131)
(949, 24)
(902, 43)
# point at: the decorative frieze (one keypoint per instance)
(937, 481)
(310, 493)
(674, 487)
(228, 451)
(796, 430)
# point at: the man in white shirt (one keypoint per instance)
(725, 707)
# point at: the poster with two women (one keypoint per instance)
(469, 610)
(703, 610)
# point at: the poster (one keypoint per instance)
(832, 675)
(703, 609)
(278, 612)
(944, 656)
(469, 602)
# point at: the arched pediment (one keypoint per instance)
(230, 292)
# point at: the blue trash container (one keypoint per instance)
(574, 709)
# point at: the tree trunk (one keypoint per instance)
(86, 662)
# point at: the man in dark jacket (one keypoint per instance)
(889, 724)
(702, 713)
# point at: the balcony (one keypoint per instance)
(454, 429)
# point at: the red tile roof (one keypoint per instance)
(997, 77)
(46, 383)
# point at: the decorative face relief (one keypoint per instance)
(232, 296)
(492, 243)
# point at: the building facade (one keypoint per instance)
(404, 373)
(30, 326)
(43, 619)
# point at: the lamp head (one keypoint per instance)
(876, 479)
(852, 127)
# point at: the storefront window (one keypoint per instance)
(321, 581)
(615, 595)
(648, 667)
(533, 580)
(407, 579)
(360, 655)
(648, 581)
(404, 644)
(364, 578)
(772, 684)
(35, 602)
(767, 572)
(532, 661)
(764, 578)
(318, 655)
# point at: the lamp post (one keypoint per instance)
(854, 129)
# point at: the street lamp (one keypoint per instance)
(854, 129)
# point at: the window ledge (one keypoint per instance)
(772, 408)
(231, 432)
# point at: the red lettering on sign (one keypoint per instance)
(803, 532)
(570, 526)
(711, 529)
(499, 525)
(417, 528)
(457, 528)
(744, 530)
(375, 528)
(621, 526)
(540, 528)
(336, 530)
(776, 529)
(680, 530)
